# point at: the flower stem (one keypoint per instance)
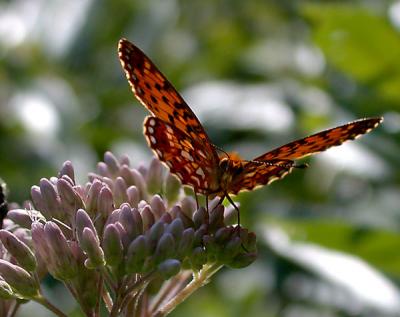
(198, 281)
(170, 289)
(43, 301)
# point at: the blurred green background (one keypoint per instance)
(258, 74)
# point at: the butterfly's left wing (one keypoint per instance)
(187, 158)
(255, 174)
(158, 95)
(321, 141)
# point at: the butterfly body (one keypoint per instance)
(179, 140)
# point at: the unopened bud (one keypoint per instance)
(51, 200)
(158, 206)
(112, 245)
(133, 196)
(155, 233)
(61, 255)
(231, 249)
(105, 202)
(111, 162)
(200, 217)
(82, 221)
(186, 242)
(165, 248)
(120, 195)
(136, 255)
(172, 188)
(93, 196)
(175, 228)
(169, 268)
(19, 279)
(38, 202)
(222, 235)
(154, 176)
(131, 220)
(68, 170)
(217, 218)
(70, 200)
(90, 244)
(19, 250)
(39, 241)
(102, 169)
(188, 206)
(148, 217)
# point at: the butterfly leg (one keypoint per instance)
(236, 208)
(197, 198)
(238, 218)
(207, 203)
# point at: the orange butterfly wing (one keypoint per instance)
(257, 174)
(186, 157)
(321, 141)
(158, 95)
(278, 163)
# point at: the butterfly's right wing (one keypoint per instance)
(187, 157)
(255, 174)
(321, 141)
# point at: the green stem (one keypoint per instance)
(170, 289)
(198, 281)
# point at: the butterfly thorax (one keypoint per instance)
(229, 169)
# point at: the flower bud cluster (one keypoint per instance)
(124, 224)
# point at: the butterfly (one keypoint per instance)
(179, 140)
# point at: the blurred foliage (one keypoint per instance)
(326, 62)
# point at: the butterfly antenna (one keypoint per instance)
(288, 165)
(221, 150)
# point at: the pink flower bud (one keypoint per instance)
(92, 196)
(19, 250)
(136, 255)
(154, 176)
(111, 162)
(51, 200)
(112, 245)
(38, 202)
(90, 244)
(63, 262)
(19, 279)
(172, 188)
(105, 202)
(158, 206)
(188, 206)
(68, 170)
(82, 221)
(120, 188)
(148, 217)
(133, 196)
(70, 200)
